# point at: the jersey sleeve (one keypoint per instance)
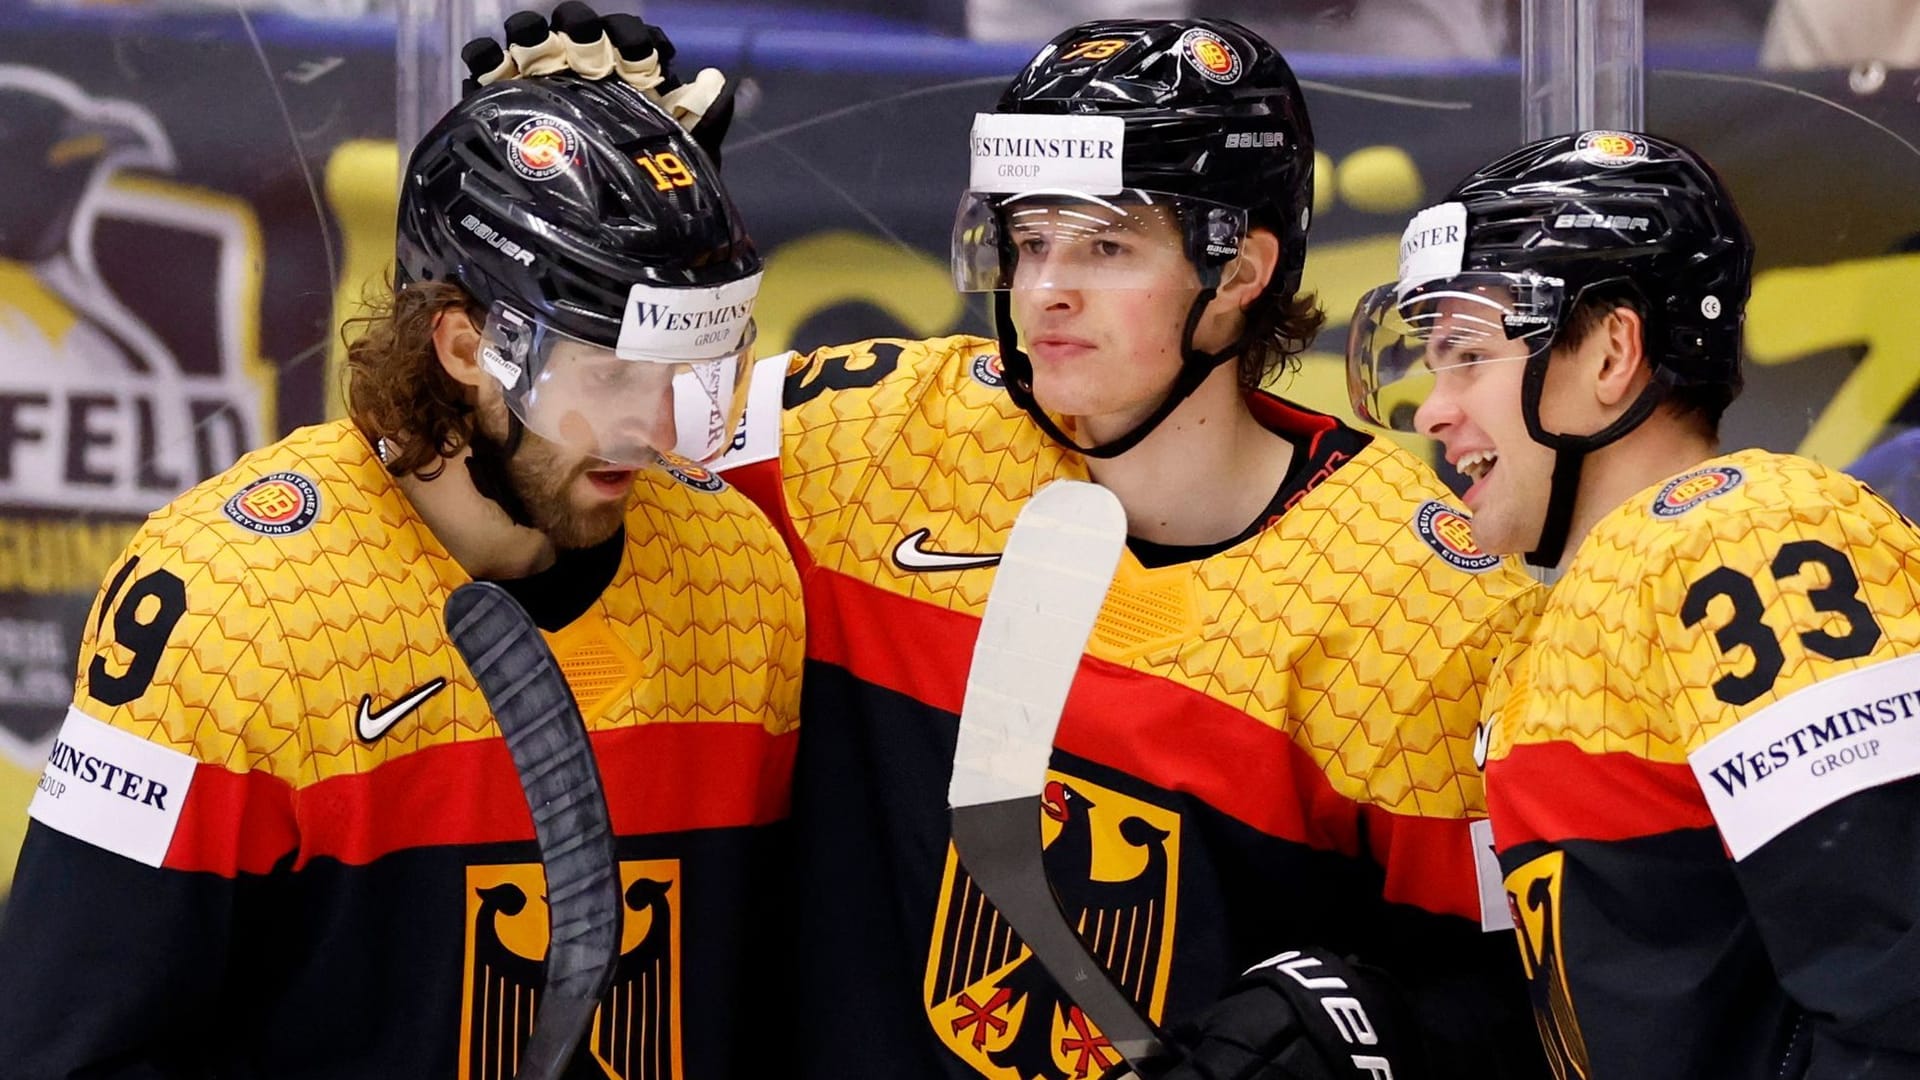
(752, 462)
(1466, 994)
(1807, 751)
(1424, 820)
(842, 410)
(1725, 821)
(160, 796)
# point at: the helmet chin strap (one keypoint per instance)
(1195, 366)
(487, 466)
(1570, 452)
(1560, 502)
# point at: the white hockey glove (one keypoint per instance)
(581, 41)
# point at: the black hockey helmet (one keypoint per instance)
(1524, 239)
(1211, 111)
(1212, 127)
(610, 260)
(560, 194)
(1617, 207)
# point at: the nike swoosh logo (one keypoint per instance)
(912, 553)
(371, 725)
(1480, 745)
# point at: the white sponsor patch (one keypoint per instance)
(686, 324)
(1434, 245)
(1811, 749)
(758, 436)
(1494, 912)
(702, 403)
(112, 789)
(1013, 154)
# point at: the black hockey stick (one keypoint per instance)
(1046, 596)
(547, 738)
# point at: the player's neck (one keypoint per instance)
(1203, 474)
(1656, 450)
(473, 528)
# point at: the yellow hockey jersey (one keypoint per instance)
(280, 833)
(1265, 747)
(1700, 785)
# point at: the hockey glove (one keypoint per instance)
(583, 42)
(1305, 1014)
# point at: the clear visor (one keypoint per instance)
(1408, 339)
(626, 410)
(1071, 240)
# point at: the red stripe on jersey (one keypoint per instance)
(888, 640)
(1165, 734)
(659, 778)
(233, 823)
(1429, 861)
(1179, 739)
(1555, 791)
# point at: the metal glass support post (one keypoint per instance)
(427, 68)
(1582, 65)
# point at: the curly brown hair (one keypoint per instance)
(1279, 326)
(395, 384)
(1279, 329)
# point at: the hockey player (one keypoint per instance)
(1701, 751)
(280, 834)
(1270, 743)
(1269, 746)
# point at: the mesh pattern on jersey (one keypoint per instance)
(1146, 610)
(1338, 625)
(284, 636)
(1611, 665)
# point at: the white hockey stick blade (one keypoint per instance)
(1046, 597)
(548, 741)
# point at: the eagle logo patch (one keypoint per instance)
(1111, 859)
(1533, 894)
(635, 1034)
